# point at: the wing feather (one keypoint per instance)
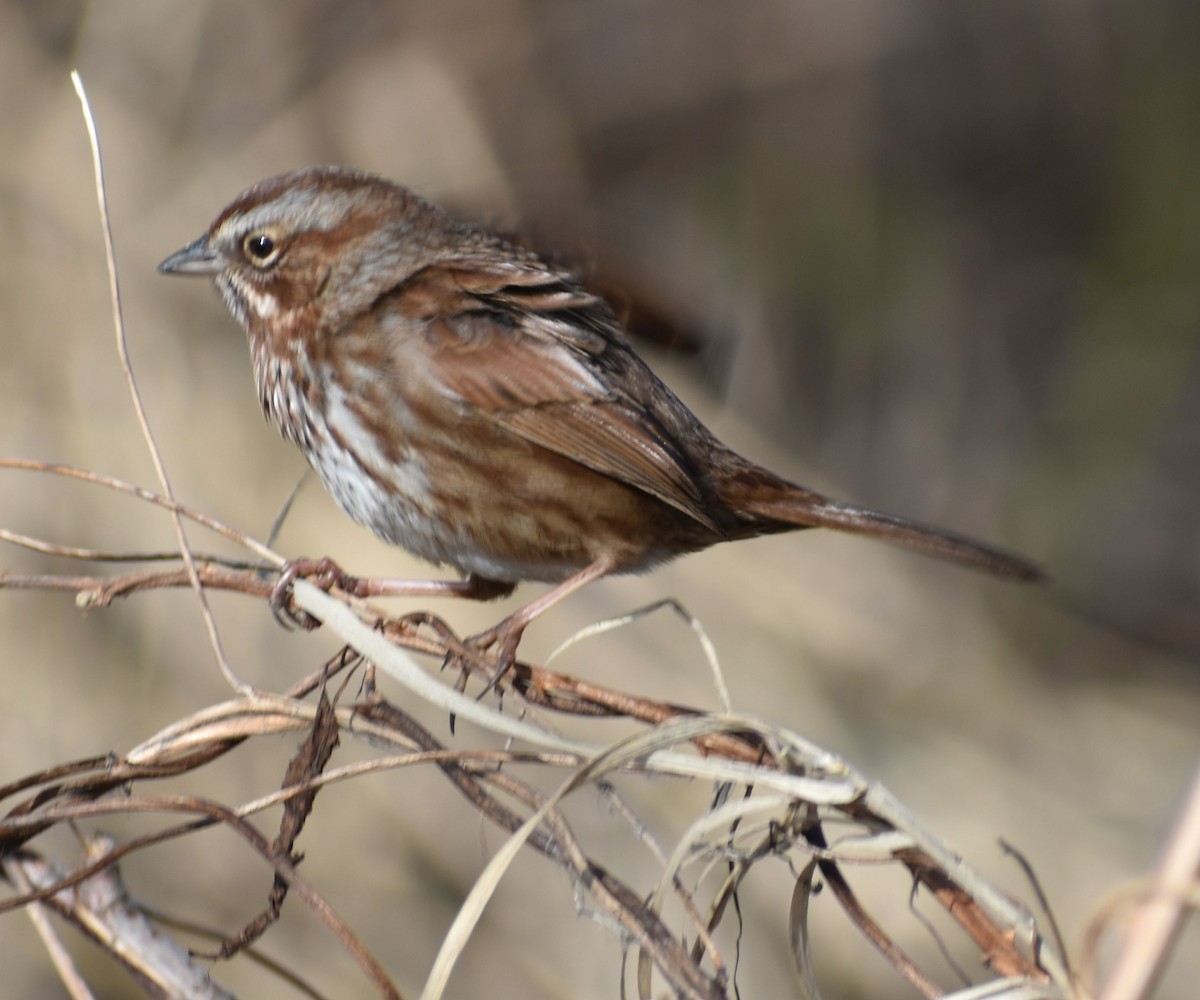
(531, 350)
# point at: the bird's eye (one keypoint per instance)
(260, 249)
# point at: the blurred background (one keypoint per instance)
(936, 258)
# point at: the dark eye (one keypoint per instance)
(260, 248)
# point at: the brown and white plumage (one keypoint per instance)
(469, 401)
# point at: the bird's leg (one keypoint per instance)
(327, 574)
(474, 588)
(506, 636)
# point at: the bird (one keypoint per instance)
(474, 403)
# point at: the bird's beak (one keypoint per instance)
(195, 258)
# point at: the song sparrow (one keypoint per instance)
(473, 403)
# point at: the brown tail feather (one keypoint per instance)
(797, 506)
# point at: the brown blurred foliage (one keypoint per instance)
(943, 256)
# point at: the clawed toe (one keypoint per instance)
(497, 648)
(500, 642)
(323, 573)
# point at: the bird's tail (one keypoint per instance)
(787, 505)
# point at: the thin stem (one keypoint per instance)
(114, 288)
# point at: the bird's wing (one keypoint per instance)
(527, 347)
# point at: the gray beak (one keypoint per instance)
(195, 258)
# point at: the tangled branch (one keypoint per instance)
(776, 794)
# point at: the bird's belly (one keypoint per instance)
(497, 506)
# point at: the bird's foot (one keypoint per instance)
(498, 645)
(323, 573)
(495, 650)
